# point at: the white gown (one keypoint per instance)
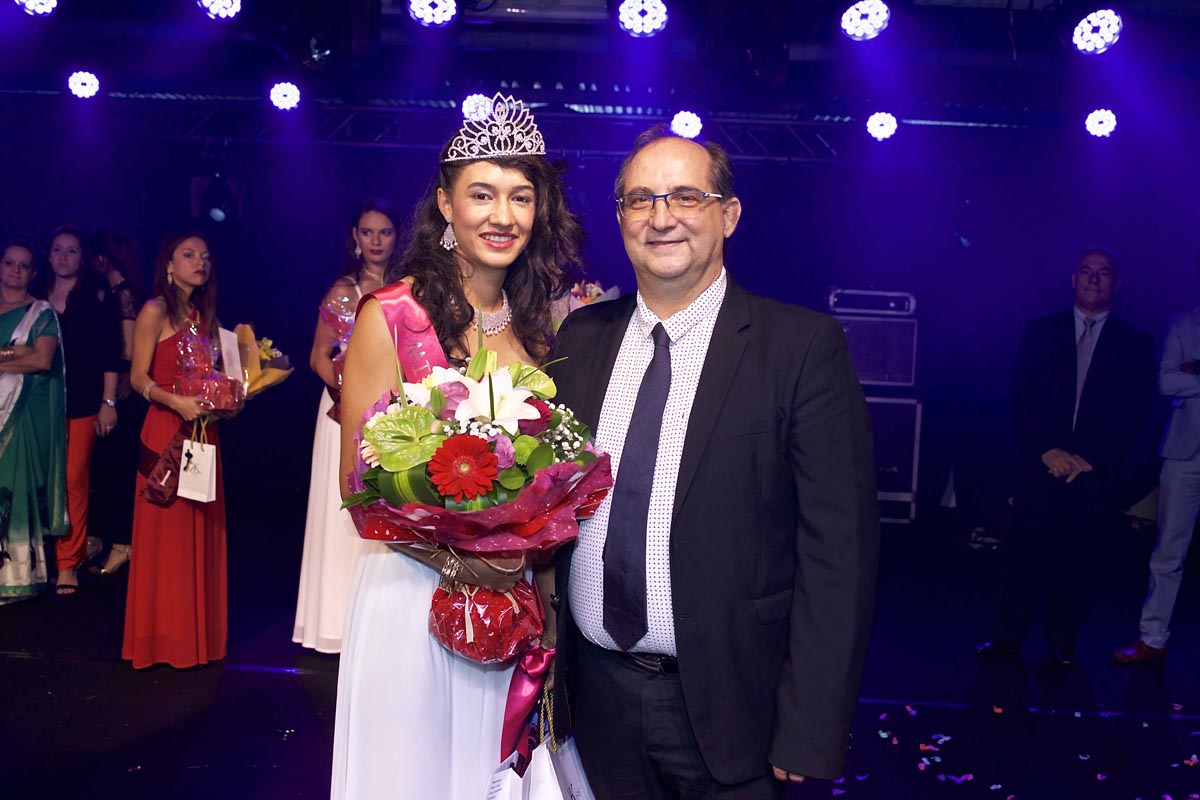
(331, 544)
(414, 721)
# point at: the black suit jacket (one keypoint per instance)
(775, 535)
(1114, 410)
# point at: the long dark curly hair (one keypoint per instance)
(545, 271)
(352, 264)
(203, 299)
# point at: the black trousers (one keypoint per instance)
(1049, 563)
(635, 739)
(114, 473)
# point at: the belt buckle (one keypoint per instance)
(663, 665)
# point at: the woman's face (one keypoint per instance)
(66, 254)
(493, 210)
(16, 268)
(189, 264)
(375, 236)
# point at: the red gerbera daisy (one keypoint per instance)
(463, 467)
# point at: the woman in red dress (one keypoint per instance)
(176, 609)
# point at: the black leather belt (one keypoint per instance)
(663, 665)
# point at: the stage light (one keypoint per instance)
(641, 18)
(1101, 122)
(881, 125)
(866, 20)
(686, 124)
(83, 84)
(285, 96)
(220, 9)
(477, 107)
(1098, 31)
(38, 8)
(432, 13)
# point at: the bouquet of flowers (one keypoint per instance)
(582, 294)
(200, 376)
(263, 365)
(484, 463)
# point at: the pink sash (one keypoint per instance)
(417, 344)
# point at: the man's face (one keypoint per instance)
(1094, 281)
(675, 248)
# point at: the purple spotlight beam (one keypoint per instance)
(866, 19)
(686, 124)
(83, 84)
(285, 96)
(1101, 122)
(220, 9)
(433, 13)
(38, 8)
(1098, 31)
(642, 18)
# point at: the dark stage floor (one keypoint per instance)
(78, 722)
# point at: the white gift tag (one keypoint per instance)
(231, 357)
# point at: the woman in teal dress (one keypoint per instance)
(33, 447)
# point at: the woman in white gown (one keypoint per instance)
(413, 719)
(331, 544)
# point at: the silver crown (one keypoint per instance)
(507, 130)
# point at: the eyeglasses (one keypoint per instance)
(682, 203)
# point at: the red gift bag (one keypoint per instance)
(486, 626)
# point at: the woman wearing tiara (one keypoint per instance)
(415, 720)
(331, 544)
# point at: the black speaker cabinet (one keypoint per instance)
(897, 426)
(884, 349)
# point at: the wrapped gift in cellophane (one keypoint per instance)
(199, 375)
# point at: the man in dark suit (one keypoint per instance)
(713, 615)
(1082, 391)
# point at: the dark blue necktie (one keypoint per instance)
(625, 545)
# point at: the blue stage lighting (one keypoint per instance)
(686, 124)
(866, 19)
(285, 95)
(881, 125)
(38, 8)
(221, 9)
(1098, 31)
(477, 107)
(1101, 122)
(642, 17)
(432, 13)
(83, 84)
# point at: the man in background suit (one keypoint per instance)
(1178, 487)
(713, 614)
(1082, 391)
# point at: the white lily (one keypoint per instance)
(507, 401)
(418, 393)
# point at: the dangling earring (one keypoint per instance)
(357, 251)
(170, 279)
(449, 241)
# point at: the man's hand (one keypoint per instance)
(784, 775)
(1064, 465)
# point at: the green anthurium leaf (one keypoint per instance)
(408, 486)
(512, 478)
(540, 458)
(405, 439)
(533, 379)
(555, 420)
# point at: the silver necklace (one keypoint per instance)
(493, 322)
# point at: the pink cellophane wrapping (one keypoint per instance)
(486, 626)
(224, 393)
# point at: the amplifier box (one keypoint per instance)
(897, 427)
(883, 349)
